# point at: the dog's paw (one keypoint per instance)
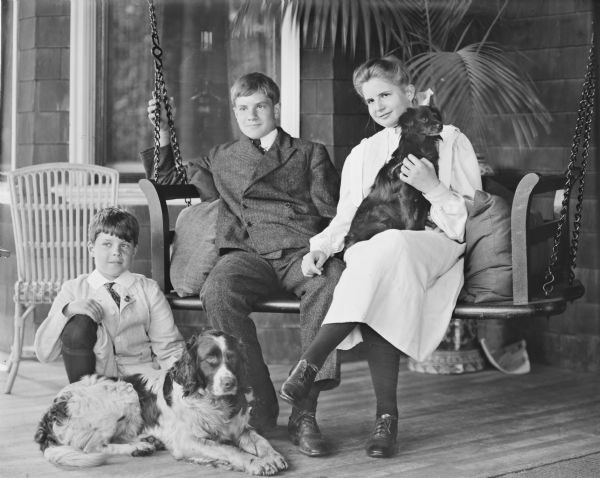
(143, 448)
(158, 444)
(264, 466)
(276, 460)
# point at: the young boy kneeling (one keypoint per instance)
(112, 321)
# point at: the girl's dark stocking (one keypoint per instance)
(384, 365)
(326, 340)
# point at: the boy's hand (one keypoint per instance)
(164, 132)
(312, 263)
(419, 173)
(88, 307)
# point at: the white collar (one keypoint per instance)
(267, 141)
(97, 280)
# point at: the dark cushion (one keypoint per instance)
(194, 253)
(488, 260)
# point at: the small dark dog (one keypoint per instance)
(392, 203)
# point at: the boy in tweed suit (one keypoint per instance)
(276, 192)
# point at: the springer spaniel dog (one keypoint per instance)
(392, 203)
(198, 410)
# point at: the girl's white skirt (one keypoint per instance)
(404, 285)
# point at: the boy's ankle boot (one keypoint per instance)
(304, 432)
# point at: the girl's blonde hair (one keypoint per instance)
(388, 68)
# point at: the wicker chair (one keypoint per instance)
(51, 207)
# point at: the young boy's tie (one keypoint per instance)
(113, 293)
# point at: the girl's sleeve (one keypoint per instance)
(47, 342)
(331, 239)
(448, 209)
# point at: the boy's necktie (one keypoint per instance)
(256, 142)
(113, 293)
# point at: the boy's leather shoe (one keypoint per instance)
(299, 382)
(304, 432)
(382, 442)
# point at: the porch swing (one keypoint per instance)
(560, 286)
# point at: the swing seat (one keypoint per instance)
(528, 298)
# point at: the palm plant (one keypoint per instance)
(473, 82)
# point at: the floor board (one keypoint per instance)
(482, 424)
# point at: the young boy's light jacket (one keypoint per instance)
(130, 336)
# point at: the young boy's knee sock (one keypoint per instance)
(78, 340)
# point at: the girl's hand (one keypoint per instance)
(88, 307)
(419, 173)
(312, 263)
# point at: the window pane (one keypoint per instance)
(200, 60)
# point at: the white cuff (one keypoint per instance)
(439, 194)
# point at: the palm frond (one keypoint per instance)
(331, 21)
(476, 82)
(439, 18)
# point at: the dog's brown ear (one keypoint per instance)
(187, 372)
(191, 342)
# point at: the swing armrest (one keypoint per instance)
(526, 234)
(161, 234)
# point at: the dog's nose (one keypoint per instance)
(228, 383)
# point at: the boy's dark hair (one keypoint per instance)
(115, 221)
(251, 83)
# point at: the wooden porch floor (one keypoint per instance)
(484, 424)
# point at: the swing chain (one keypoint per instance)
(582, 130)
(160, 95)
(584, 159)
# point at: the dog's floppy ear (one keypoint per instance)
(407, 120)
(191, 342)
(187, 371)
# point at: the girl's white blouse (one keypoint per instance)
(458, 173)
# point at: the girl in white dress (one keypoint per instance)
(399, 288)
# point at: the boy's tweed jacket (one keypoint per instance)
(270, 202)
